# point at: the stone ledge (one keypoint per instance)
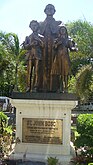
(63, 160)
(44, 96)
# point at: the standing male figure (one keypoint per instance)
(49, 29)
(34, 45)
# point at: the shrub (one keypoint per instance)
(85, 130)
(52, 161)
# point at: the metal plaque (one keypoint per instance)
(45, 131)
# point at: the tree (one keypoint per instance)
(84, 83)
(13, 55)
(81, 32)
(6, 67)
(82, 70)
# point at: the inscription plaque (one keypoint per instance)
(43, 131)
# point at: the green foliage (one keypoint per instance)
(8, 129)
(85, 129)
(52, 161)
(3, 122)
(82, 70)
(83, 140)
(11, 60)
(72, 85)
(5, 134)
(3, 116)
(81, 32)
(84, 82)
(85, 124)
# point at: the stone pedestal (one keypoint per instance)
(43, 127)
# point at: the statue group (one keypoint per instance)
(48, 61)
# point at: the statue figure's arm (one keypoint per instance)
(38, 41)
(57, 42)
(72, 45)
(30, 42)
(26, 43)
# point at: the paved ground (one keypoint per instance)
(31, 163)
(20, 162)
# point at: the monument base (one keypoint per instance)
(43, 127)
(63, 160)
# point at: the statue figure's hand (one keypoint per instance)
(35, 42)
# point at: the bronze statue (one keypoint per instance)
(61, 65)
(48, 56)
(49, 29)
(34, 45)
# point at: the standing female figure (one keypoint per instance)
(62, 65)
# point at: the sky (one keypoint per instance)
(15, 15)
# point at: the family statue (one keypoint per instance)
(48, 61)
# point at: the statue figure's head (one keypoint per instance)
(49, 10)
(34, 25)
(63, 31)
